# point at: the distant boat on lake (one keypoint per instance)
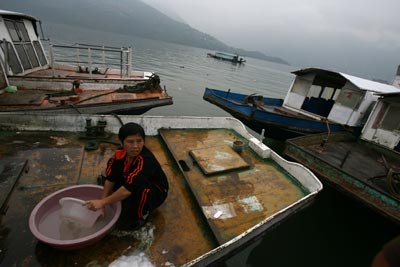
(78, 78)
(235, 58)
(318, 101)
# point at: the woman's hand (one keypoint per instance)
(95, 205)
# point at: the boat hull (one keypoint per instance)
(44, 95)
(277, 122)
(134, 107)
(229, 58)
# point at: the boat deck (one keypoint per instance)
(70, 91)
(64, 73)
(234, 191)
(353, 165)
(220, 205)
(350, 156)
(289, 112)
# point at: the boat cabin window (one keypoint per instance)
(320, 100)
(11, 57)
(301, 86)
(323, 92)
(23, 46)
(26, 55)
(350, 97)
(390, 120)
(40, 53)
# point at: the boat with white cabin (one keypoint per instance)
(77, 78)
(317, 101)
(365, 167)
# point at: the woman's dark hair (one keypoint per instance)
(130, 128)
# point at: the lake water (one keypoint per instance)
(334, 231)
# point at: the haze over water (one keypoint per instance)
(334, 231)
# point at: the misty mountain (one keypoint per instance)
(130, 17)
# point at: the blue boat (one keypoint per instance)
(235, 58)
(317, 101)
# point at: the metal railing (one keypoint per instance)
(89, 58)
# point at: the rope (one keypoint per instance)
(75, 108)
(329, 130)
(325, 140)
(118, 118)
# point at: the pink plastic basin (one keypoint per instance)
(49, 206)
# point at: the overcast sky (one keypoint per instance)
(360, 37)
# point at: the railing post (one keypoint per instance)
(78, 57)
(51, 53)
(121, 65)
(129, 61)
(90, 62)
(104, 57)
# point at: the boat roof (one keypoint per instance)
(392, 94)
(361, 83)
(17, 14)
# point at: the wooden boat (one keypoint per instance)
(317, 101)
(368, 167)
(221, 196)
(234, 58)
(75, 78)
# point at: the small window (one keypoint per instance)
(337, 93)
(314, 91)
(40, 53)
(23, 33)
(301, 86)
(31, 55)
(12, 30)
(391, 121)
(12, 58)
(350, 98)
(23, 56)
(328, 93)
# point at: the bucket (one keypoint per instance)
(74, 209)
(237, 145)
